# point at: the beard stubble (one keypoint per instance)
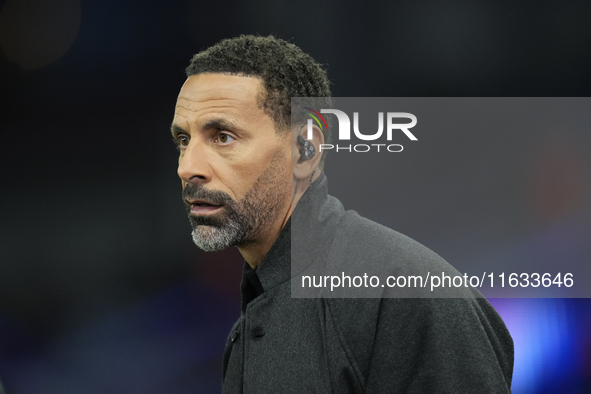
(244, 221)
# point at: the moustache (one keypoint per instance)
(198, 192)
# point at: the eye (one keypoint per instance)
(225, 138)
(181, 141)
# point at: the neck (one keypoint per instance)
(254, 252)
(300, 187)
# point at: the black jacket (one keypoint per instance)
(282, 344)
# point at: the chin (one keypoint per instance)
(213, 239)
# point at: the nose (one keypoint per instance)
(194, 166)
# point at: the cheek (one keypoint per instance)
(238, 179)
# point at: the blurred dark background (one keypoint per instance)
(101, 288)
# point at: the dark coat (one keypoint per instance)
(282, 344)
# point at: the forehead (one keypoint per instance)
(232, 95)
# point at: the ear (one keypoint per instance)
(302, 169)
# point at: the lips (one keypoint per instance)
(201, 207)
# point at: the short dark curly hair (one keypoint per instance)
(286, 71)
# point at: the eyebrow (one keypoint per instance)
(218, 124)
(176, 130)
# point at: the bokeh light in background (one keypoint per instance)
(101, 289)
(35, 33)
(552, 346)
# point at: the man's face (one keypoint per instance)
(235, 168)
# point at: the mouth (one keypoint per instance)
(203, 208)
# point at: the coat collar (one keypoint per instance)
(306, 237)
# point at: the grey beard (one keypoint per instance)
(216, 233)
(240, 222)
(212, 239)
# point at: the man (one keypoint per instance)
(253, 181)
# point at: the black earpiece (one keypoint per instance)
(307, 151)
